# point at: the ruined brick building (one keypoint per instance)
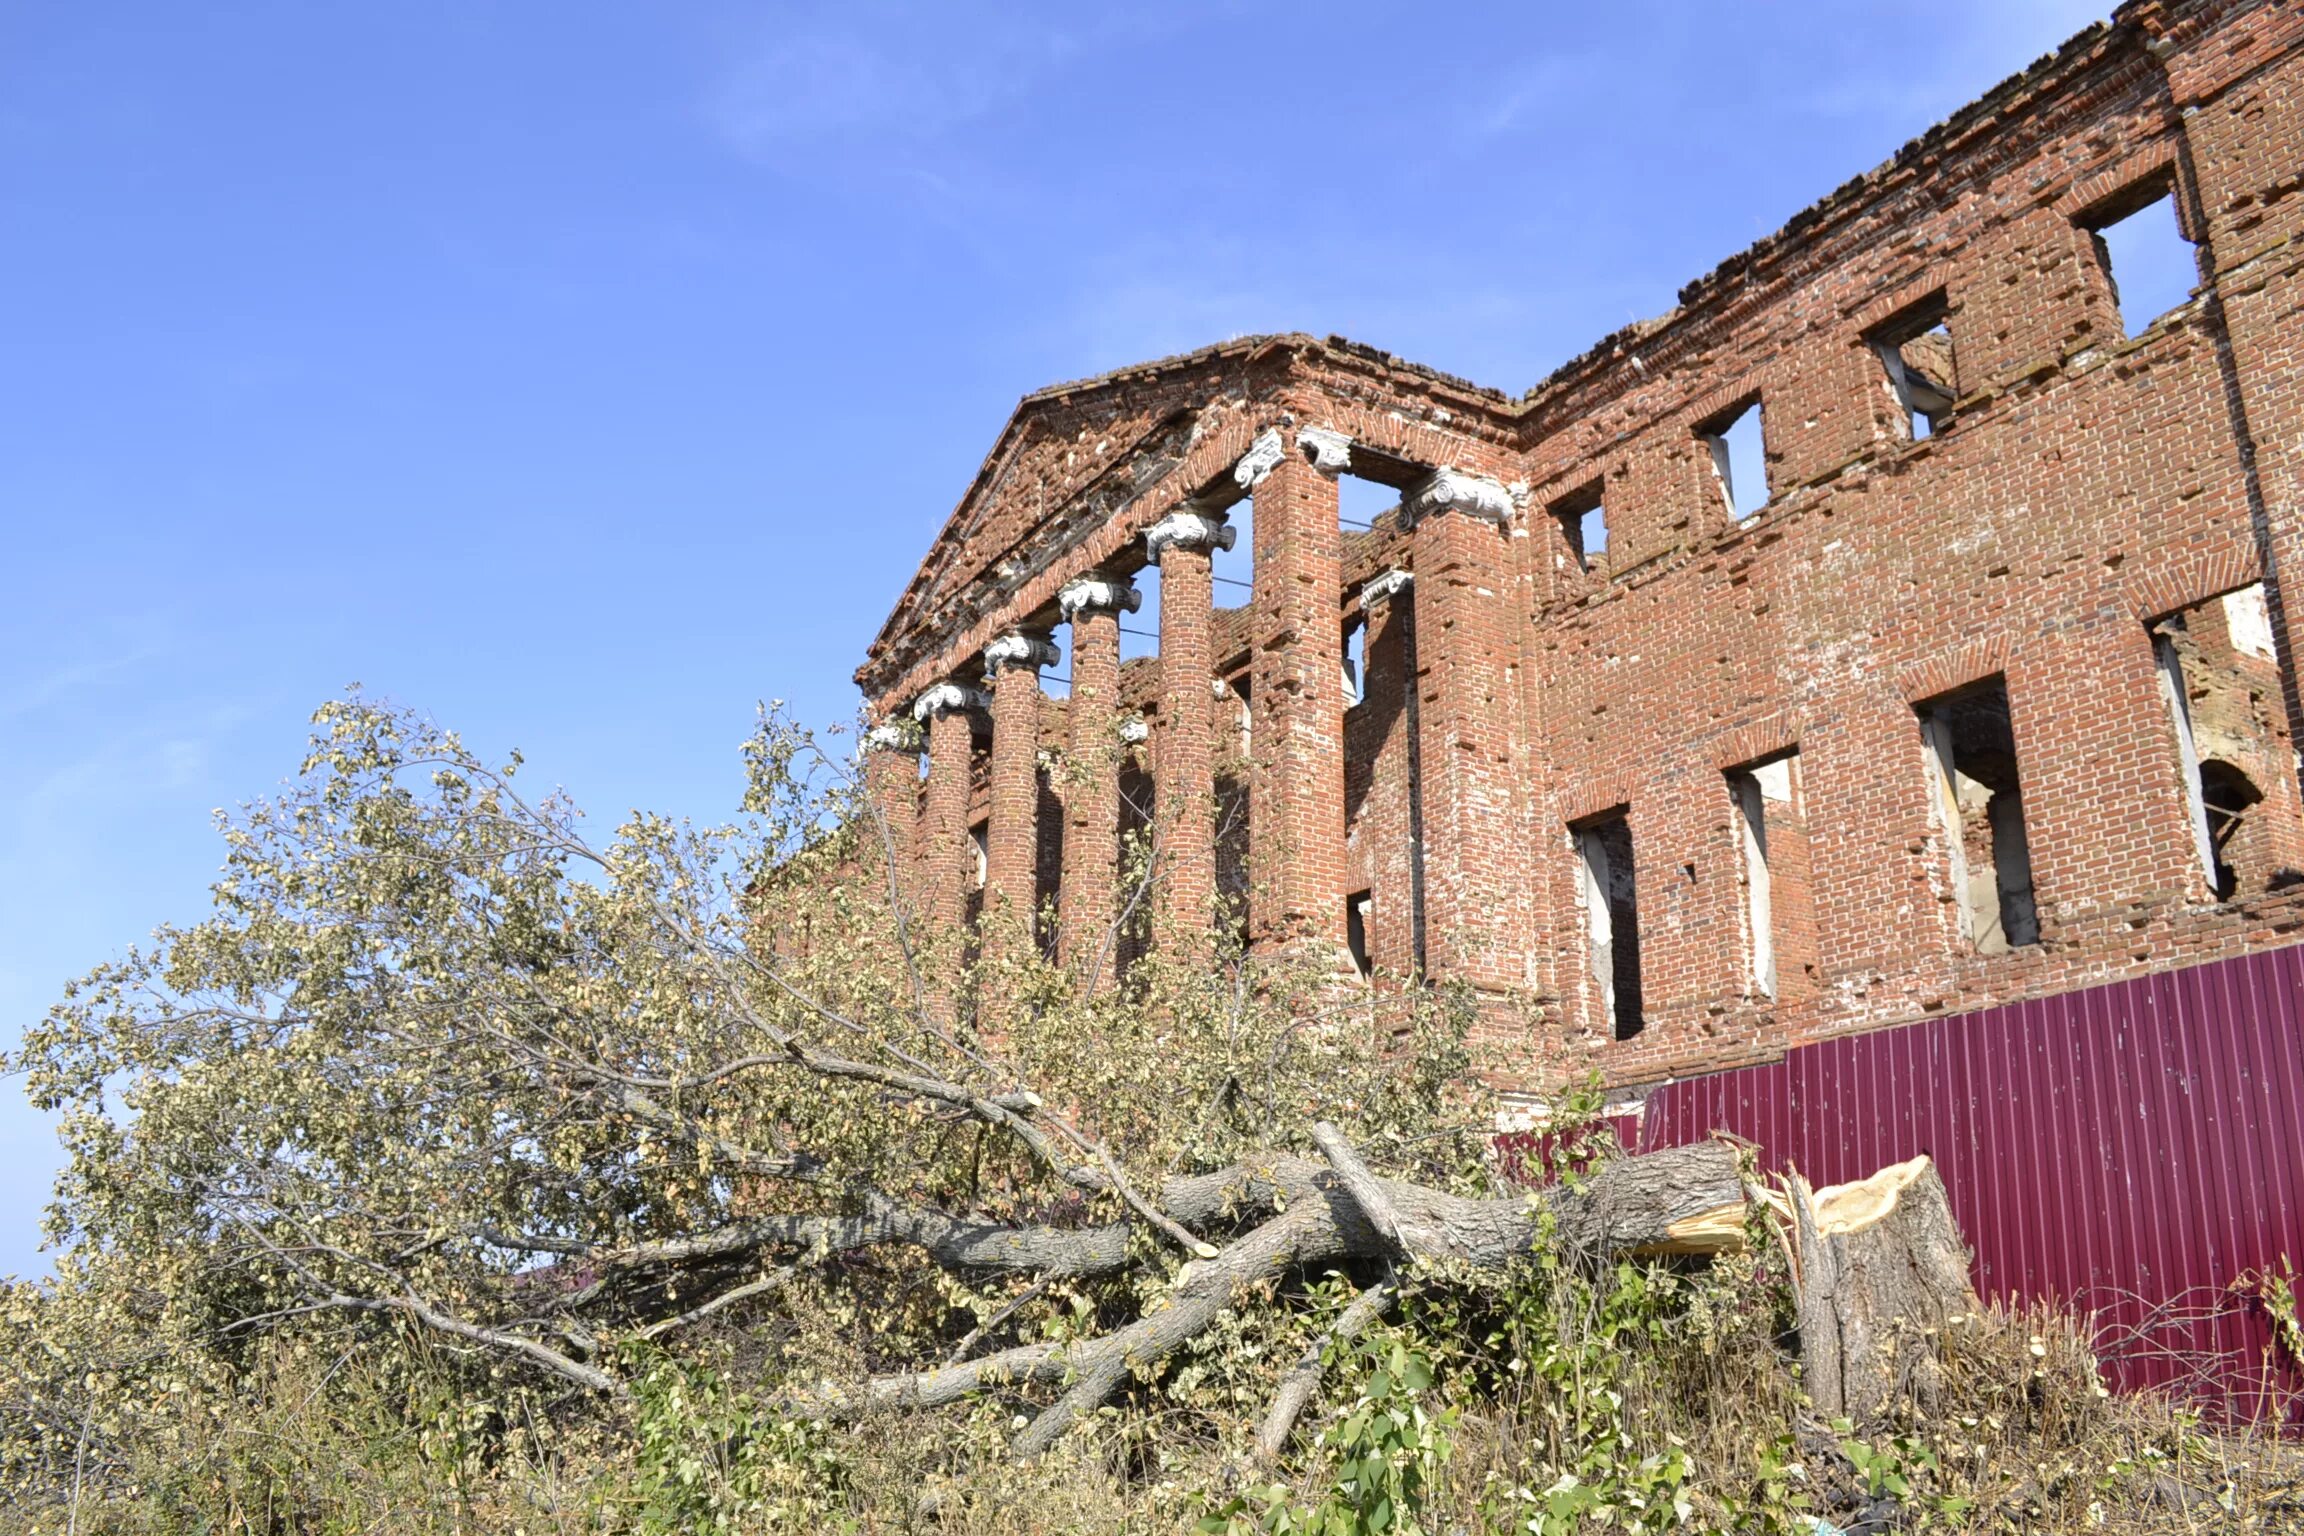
(1976, 684)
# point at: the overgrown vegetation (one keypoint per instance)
(460, 1174)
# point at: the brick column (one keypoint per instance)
(1474, 874)
(1184, 755)
(1092, 606)
(1012, 666)
(1296, 691)
(892, 781)
(946, 856)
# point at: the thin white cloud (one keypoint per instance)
(1990, 44)
(70, 680)
(890, 71)
(126, 769)
(908, 77)
(1536, 90)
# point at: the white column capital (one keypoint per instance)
(1027, 648)
(1105, 594)
(1186, 528)
(949, 698)
(895, 736)
(1133, 730)
(1452, 490)
(1382, 589)
(1329, 450)
(1263, 456)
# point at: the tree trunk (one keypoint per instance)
(1881, 1270)
(1874, 1264)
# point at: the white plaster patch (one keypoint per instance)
(2249, 621)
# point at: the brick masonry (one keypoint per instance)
(2084, 486)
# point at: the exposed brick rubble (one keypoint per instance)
(1993, 698)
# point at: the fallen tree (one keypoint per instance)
(442, 1076)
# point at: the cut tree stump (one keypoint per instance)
(1881, 1272)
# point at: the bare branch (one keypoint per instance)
(773, 1281)
(422, 1311)
(1303, 1378)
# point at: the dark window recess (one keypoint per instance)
(2148, 264)
(1922, 372)
(1139, 796)
(1048, 877)
(1612, 919)
(1980, 810)
(1357, 908)
(1583, 521)
(1739, 459)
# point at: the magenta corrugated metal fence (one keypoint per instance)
(2136, 1150)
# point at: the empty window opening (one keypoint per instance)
(1739, 460)
(1922, 375)
(2148, 264)
(2221, 681)
(1980, 812)
(1764, 796)
(1357, 908)
(1360, 502)
(1056, 677)
(1243, 717)
(1356, 661)
(1140, 631)
(1232, 572)
(1583, 523)
(1604, 889)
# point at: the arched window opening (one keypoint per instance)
(2228, 796)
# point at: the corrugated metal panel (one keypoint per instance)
(2134, 1150)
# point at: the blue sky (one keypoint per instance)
(583, 373)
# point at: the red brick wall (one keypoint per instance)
(2083, 485)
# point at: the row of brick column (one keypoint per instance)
(1090, 781)
(1469, 824)
(1468, 819)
